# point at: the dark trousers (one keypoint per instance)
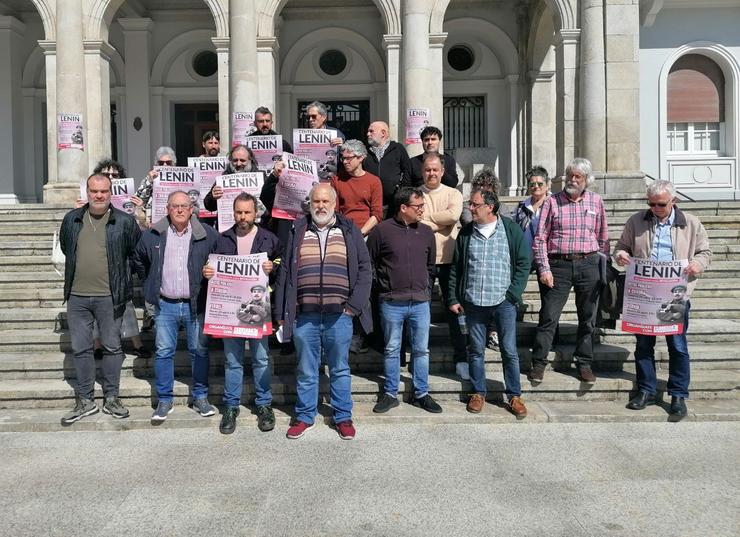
(582, 275)
(458, 340)
(82, 312)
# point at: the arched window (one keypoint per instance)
(696, 106)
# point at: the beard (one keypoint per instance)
(321, 217)
(573, 189)
(213, 152)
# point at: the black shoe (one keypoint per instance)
(142, 352)
(228, 420)
(114, 407)
(428, 404)
(385, 403)
(537, 373)
(265, 418)
(678, 408)
(585, 374)
(641, 400)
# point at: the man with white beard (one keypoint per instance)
(571, 233)
(323, 282)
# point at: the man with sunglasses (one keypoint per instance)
(664, 233)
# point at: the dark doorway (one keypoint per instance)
(351, 117)
(192, 120)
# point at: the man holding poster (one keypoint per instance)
(664, 234)
(242, 239)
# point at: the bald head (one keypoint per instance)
(377, 133)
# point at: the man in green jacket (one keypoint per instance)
(489, 271)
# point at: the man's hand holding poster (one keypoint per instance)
(233, 185)
(296, 180)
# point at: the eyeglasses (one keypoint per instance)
(476, 205)
(183, 206)
(536, 184)
(416, 206)
(313, 116)
(661, 205)
(350, 157)
(164, 163)
(111, 175)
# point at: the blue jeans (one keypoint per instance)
(478, 318)
(168, 318)
(234, 370)
(679, 374)
(331, 332)
(392, 316)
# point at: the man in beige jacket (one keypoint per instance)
(664, 233)
(442, 209)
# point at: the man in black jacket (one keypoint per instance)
(263, 126)
(403, 253)
(431, 139)
(388, 160)
(98, 241)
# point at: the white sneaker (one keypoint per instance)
(463, 370)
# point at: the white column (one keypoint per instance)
(436, 88)
(50, 68)
(267, 54)
(514, 120)
(222, 55)
(243, 76)
(542, 120)
(97, 76)
(71, 98)
(592, 86)
(137, 50)
(417, 76)
(566, 53)
(11, 109)
(392, 45)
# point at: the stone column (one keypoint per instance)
(392, 46)
(417, 73)
(592, 86)
(267, 53)
(11, 109)
(543, 137)
(566, 53)
(514, 145)
(243, 77)
(623, 97)
(97, 76)
(222, 55)
(137, 41)
(50, 66)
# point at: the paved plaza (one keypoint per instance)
(580, 479)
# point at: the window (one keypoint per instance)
(696, 88)
(464, 122)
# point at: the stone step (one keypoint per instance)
(700, 331)
(557, 386)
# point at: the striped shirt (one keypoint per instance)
(489, 267)
(323, 279)
(175, 279)
(570, 227)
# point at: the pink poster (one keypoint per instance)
(172, 179)
(122, 188)
(69, 132)
(242, 125)
(267, 149)
(208, 169)
(233, 185)
(295, 182)
(416, 120)
(315, 144)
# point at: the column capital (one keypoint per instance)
(392, 41)
(512, 79)
(269, 43)
(437, 40)
(97, 46)
(568, 37)
(539, 77)
(221, 43)
(49, 46)
(136, 24)
(11, 23)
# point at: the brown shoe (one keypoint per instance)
(537, 373)
(516, 405)
(585, 374)
(475, 403)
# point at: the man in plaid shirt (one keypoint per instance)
(571, 233)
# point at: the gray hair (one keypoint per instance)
(262, 110)
(175, 193)
(486, 179)
(355, 147)
(584, 166)
(165, 151)
(661, 186)
(320, 107)
(431, 156)
(315, 187)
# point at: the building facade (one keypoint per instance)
(511, 82)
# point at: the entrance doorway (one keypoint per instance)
(351, 117)
(192, 121)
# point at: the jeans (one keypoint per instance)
(393, 314)
(82, 313)
(459, 341)
(583, 276)
(331, 332)
(478, 318)
(168, 318)
(679, 374)
(234, 370)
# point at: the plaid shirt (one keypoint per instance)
(489, 268)
(570, 227)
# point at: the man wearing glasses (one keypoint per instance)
(169, 259)
(403, 254)
(664, 233)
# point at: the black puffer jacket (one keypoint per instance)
(121, 235)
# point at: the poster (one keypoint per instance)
(655, 296)
(242, 125)
(267, 149)
(238, 300)
(233, 185)
(122, 188)
(69, 131)
(171, 179)
(208, 169)
(416, 120)
(315, 144)
(296, 180)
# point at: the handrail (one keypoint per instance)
(688, 198)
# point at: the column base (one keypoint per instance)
(9, 199)
(61, 193)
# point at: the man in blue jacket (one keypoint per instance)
(169, 258)
(323, 282)
(245, 238)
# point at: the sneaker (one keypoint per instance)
(265, 418)
(346, 430)
(385, 403)
(492, 342)
(358, 345)
(297, 429)
(203, 407)
(463, 370)
(428, 404)
(585, 374)
(115, 408)
(228, 420)
(516, 406)
(537, 373)
(476, 403)
(83, 408)
(164, 409)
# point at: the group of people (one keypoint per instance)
(363, 260)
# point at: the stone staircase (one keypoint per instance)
(37, 370)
